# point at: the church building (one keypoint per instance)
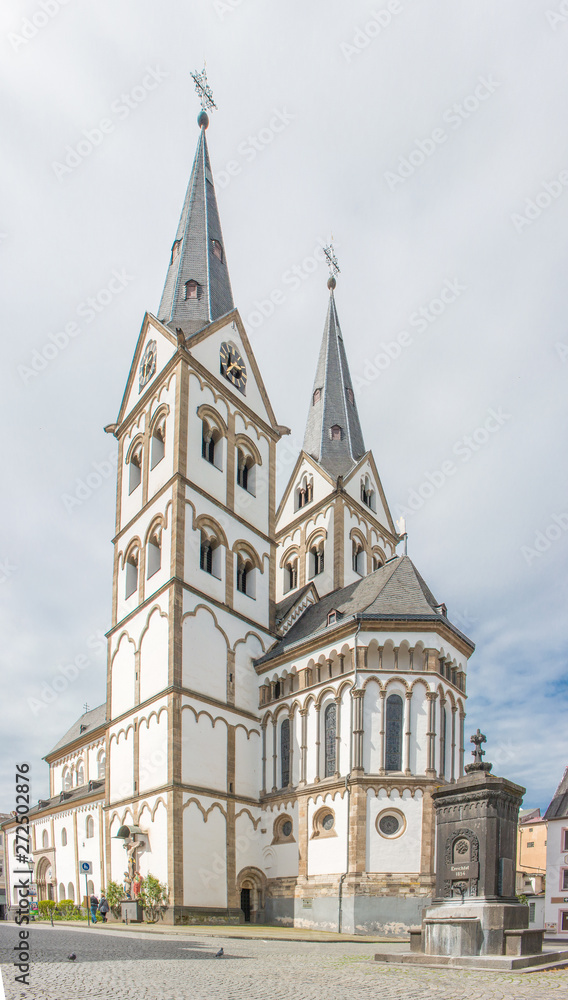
(283, 690)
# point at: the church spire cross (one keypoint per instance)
(204, 91)
(332, 264)
(478, 754)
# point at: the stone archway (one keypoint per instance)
(251, 886)
(44, 879)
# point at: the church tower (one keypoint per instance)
(194, 584)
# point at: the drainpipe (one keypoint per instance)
(348, 790)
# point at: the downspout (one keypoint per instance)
(348, 790)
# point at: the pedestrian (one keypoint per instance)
(94, 904)
(103, 908)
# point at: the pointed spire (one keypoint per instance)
(333, 432)
(197, 289)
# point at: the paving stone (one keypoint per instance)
(131, 966)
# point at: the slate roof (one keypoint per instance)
(91, 720)
(199, 225)
(395, 591)
(334, 406)
(558, 808)
(91, 789)
(285, 606)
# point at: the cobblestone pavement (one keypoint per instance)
(130, 966)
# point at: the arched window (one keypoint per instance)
(316, 559)
(285, 752)
(210, 554)
(64, 837)
(377, 561)
(246, 471)
(135, 468)
(89, 827)
(175, 250)
(158, 442)
(217, 249)
(80, 774)
(335, 432)
(154, 552)
(393, 754)
(61, 891)
(304, 492)
(330, 730)
(291, 574)
(245, 575)
(358, 556)
(90, 888)
(443, 737)
(71, 891)
(211, 444)
(45, 839)
(349, 394)
(316, 396)
(67, 779)
(192, 289)
(131, 585)
(367, 493)
(101, 764)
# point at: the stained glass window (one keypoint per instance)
(330, 725)
(285, 752)
(393, 756)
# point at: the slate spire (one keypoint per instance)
(333, 433)
(197, 289)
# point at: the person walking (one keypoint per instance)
(103, 908)
(94, 904)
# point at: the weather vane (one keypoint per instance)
(331, 260)
(204, 91)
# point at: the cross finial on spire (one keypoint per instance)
(85, 708)
(205, 96)
(332, 264)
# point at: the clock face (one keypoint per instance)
(147, 364)
(233, 367)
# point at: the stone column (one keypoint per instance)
(291, 715)
(263, 731)
(462, 742)
(337, 734)
(383, 695)
(431, 734)
(407, 732)
(411, 657)
(361, 657)
(381, 657)
(443, 738)
(274, 755)
(341, 663)
(453, 764)
(318, 741)
(395, 651)
(358, 730)
(329, 667)
(303, 745)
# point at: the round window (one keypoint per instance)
(328, 821)
(286, 828)
(389, 825)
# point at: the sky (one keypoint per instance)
(430, 141)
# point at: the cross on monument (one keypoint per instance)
(204, 91)
(478, 754)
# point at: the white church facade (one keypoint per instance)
(283, 690)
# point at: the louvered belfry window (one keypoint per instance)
(393, 754)
(330, 724)
(285, 752)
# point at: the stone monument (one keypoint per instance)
(475, 919)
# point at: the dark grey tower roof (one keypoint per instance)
(194, 256)
(336, 451)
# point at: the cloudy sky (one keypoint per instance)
(429, 139)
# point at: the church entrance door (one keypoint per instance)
(245, 904)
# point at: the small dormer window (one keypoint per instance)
(192, 289)
(335, 432)
(349, 394)
(332, 618)
(317, 396)
(217, 250)
(175, 250)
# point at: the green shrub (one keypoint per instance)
(114, 895)
(66, 909)
(47, 908)
(154, 897)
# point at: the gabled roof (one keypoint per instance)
(193, 256)
(558, 808)
(394, 592)
(336, 405)
(90, 720)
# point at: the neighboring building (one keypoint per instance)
(556, 912)
(284, 692)
(531, 852)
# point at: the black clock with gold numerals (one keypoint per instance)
(233, 367)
